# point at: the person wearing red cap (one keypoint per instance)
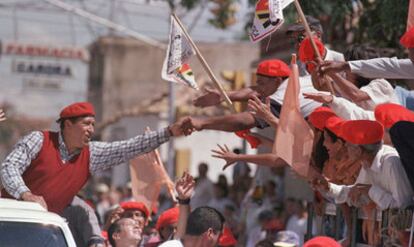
(167, 223)
(297, 33)
(270, 74)
(321, 241)
(51, 167)
(382, 180)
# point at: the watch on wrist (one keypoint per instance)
(183, 201)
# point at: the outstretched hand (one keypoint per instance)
(225, 154)
(211, 97)
(2, 115)
(185, 186)
(262, 110)
(319, 97)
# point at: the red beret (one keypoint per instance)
(407, 40)
(389, 114)
(273, 68)
(227, 238)
(322, 242)
(334, 124)
(168, 217)
(306, 53)
(362, 132)
(319, 116)
(131, 205)
(77, 110)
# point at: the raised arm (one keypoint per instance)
(185, 188)
(104, 155)
(351, 91)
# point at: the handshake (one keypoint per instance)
(186, 126)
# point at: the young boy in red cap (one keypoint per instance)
(50, 168)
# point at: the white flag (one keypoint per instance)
(268, 18)
(179, 51)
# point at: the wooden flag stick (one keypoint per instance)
(206, 66)
(309, 33)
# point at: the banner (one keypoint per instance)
(294, 137)
(148, 175)
(175, 67)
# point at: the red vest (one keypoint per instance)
(56, 181)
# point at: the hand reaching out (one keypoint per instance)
(319, 97)
(225, 154)
(210, 98)
(185, 186)
(262, 110)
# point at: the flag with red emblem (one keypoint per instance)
(179, 51)
(268, 17)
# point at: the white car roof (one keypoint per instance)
(20, 211)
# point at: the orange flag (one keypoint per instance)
(410, 18)
(294, 137)
(148, 175)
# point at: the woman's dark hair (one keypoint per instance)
(361, 52)
(332, 135)
(320, 154)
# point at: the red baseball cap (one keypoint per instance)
(78, 109)
(168, 217)
(273, 68)
(131, 205)
(322, 242)
(306, 53)
(389, 114)
(227, 238)
(319, 116)
(407, 40)
(334, 124)
(362, 132)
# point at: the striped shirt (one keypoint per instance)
(103, 155)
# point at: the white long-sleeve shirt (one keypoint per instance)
(349, 110)
(389, 68)
(390, 187)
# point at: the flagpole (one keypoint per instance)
(309, 33)
(206, 66)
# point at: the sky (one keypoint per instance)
(36, 21)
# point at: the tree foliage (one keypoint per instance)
(379, 23)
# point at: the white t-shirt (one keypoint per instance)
(380, 91)
(172, 243)
(300, 227)
(306, 105)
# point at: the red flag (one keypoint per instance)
(148, 175)
(294, 137)
(410, 18)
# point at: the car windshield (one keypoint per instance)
(19, 234)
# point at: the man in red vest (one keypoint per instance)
(51, 167)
